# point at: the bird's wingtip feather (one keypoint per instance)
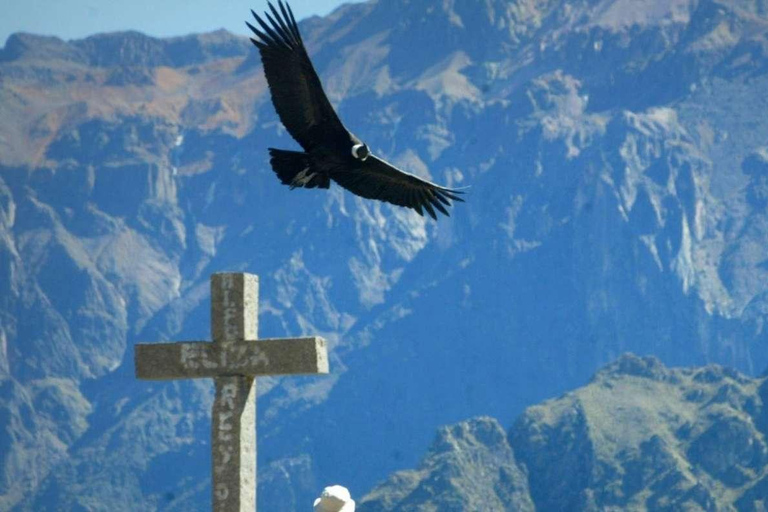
(427, 206)
(253, 29)
(285, 29)
(439, 206)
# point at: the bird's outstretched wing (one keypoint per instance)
(297, 93)
(377, 179)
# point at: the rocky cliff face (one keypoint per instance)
(639, 436)
(470, 466)
(647, 437)
(616, 153)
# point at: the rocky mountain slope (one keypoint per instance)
(639, 436)
(470, 466)
(617, 154)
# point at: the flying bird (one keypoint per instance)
(331, 152)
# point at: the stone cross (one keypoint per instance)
(233, 360)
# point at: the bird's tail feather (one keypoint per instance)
(295, 169)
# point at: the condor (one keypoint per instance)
(331, 152)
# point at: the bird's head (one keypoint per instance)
(360, 151)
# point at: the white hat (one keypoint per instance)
(335, 499)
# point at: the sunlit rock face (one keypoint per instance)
(616, 154)
(644, 436)
(470, 466)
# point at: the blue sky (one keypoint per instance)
(73, 19)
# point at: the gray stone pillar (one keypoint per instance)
(234, 317)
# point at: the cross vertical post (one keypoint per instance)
(234, 317)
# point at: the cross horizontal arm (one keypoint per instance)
(189, 360)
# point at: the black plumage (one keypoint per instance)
(331, 152)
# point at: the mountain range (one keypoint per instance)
(638, 436)
(617, 157)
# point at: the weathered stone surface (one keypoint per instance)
(234, 306)
(188, 360)
(233, 442)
